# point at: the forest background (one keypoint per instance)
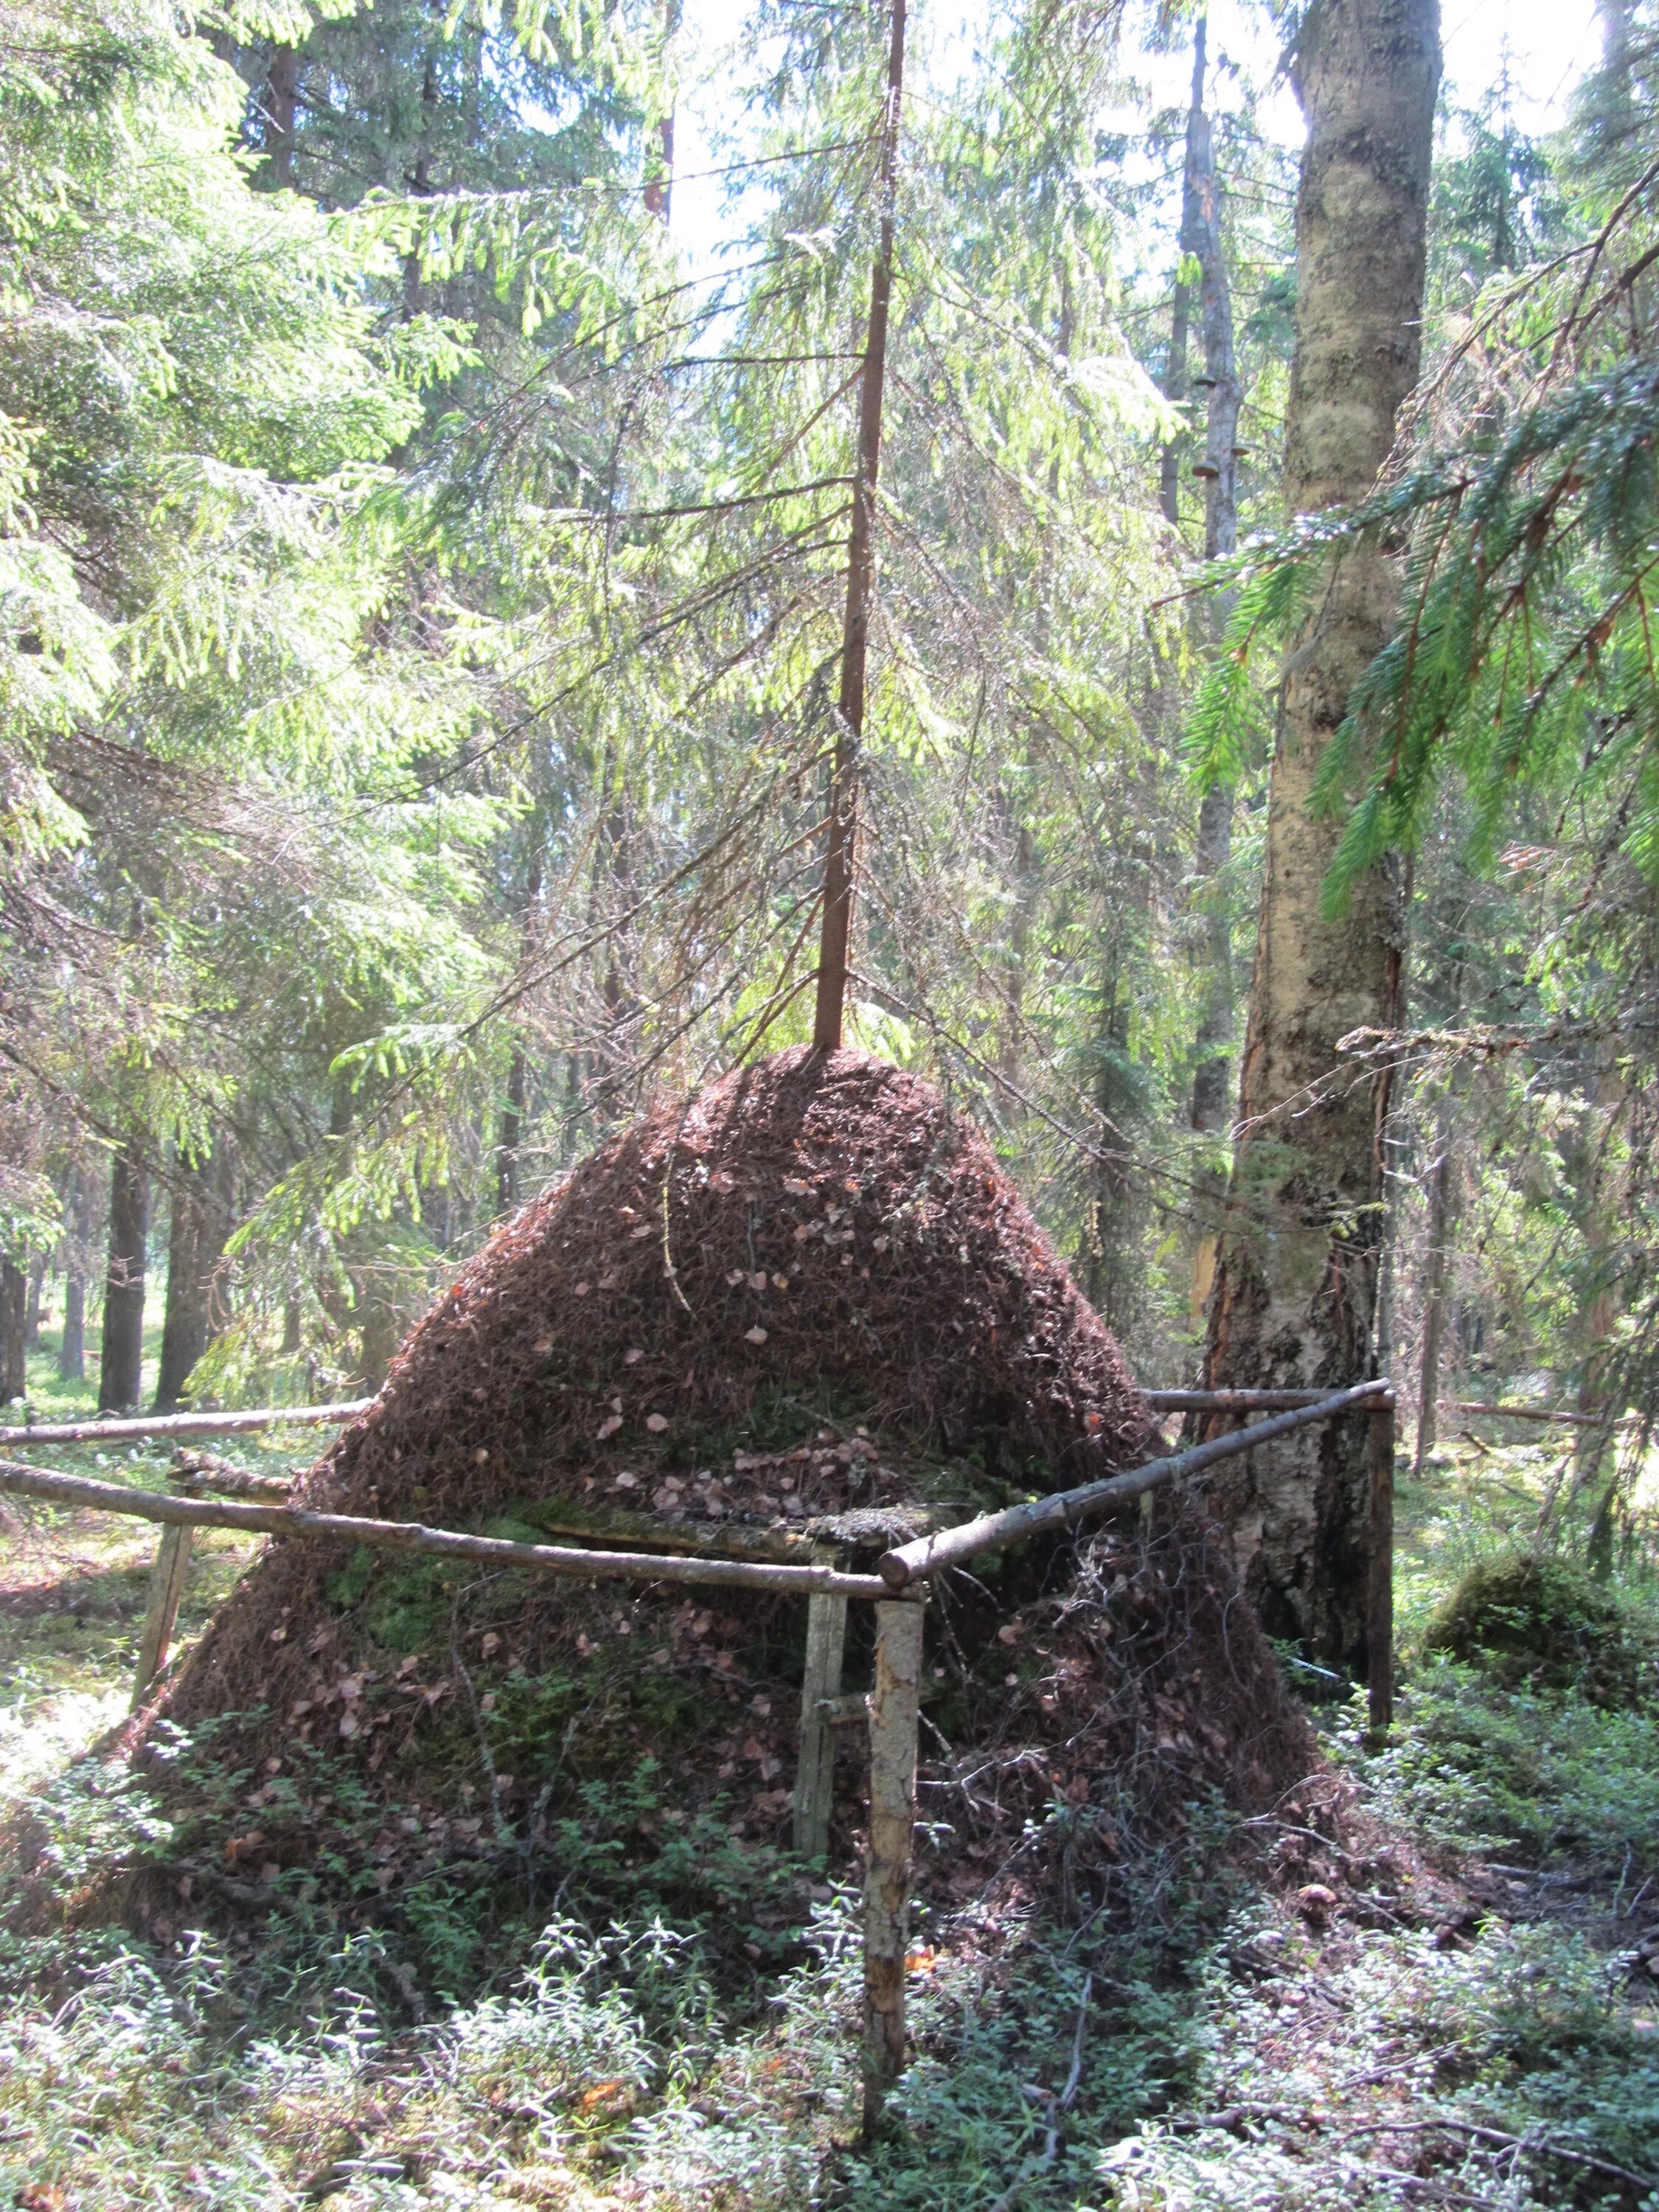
(421, 605)
(427, 457)
(422, 575)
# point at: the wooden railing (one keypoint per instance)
(897, 1591)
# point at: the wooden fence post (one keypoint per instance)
(167, 1587)
(815, 1772)
(1379, 1622)
(894, 1704)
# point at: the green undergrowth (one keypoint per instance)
(655, 2010)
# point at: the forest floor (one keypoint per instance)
(1212, 2047)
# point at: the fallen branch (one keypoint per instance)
(77, 1491)
(1539, 1413)
(182, 1424)
(1505, 2140)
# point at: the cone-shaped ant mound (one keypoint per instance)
(805, 1307)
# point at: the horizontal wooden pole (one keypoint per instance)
(74, 1490)
(182, 1424)
(1231, 1401)
(1537, 1414)
(1064, 1509)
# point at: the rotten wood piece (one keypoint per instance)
(815, 1770)
(77, 1491)
(895, 1705)
(182, 1424)
(1064, 1509)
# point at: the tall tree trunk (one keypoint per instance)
(201, 1222)
(13, 1319)
(72, 1346)
(1019, 952)
(1442, 1215)
(121, 1366)
(1599, 1200)
(510, 1134)
(183, 1321)
(1218, 472)
(1295, 1296)
(72, 1350)
(1181, 308)
(281, 103)
(1213, 1043)
(418, 181)
(35, 1310)
(840, 835)
(659, 187)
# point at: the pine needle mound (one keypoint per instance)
(805, 1303)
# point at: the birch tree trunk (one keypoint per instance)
(1295, 1294)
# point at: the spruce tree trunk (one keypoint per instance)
(1442, 1215)
(1296, 1275)
(510, 1131)
(196, 1243)
(13, 1322)
(72, 1347)
(1218, 472)
(282, 94)
(1213, 1043)
(841, 835)
(121, 1366)
(35, 1313)
(1181, 306)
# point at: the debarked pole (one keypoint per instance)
(894, 1707)
(166, 1588)
(77, 1491)
(815, 1772)
(1065, 1509)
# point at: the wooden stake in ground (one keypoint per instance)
(826, 1640)
(840, 835)
(894, 1708)
(166, 1589)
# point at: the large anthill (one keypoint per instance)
(805, 1304)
